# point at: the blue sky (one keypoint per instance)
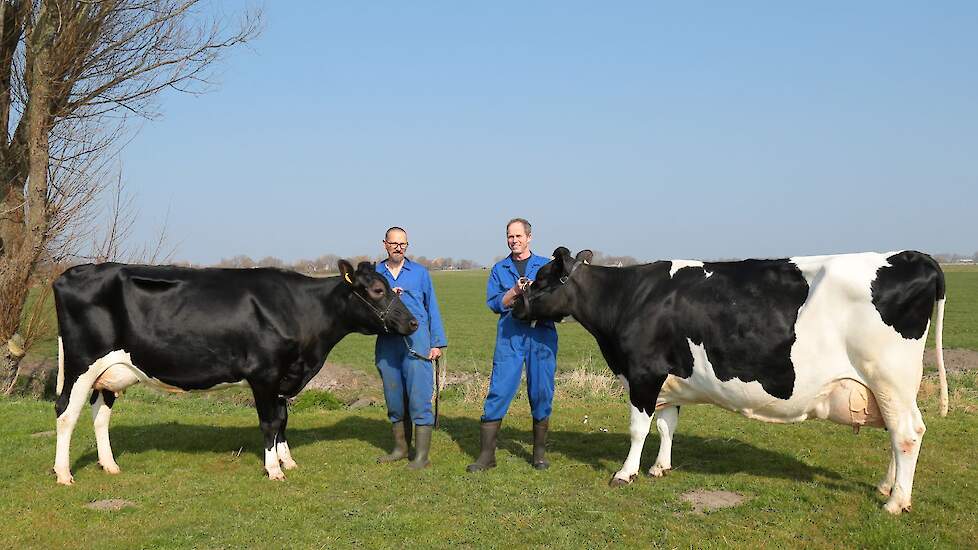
(681, 130)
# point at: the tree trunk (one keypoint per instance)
(20, 261)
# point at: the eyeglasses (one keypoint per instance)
(396, 245)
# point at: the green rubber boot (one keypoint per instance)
(487, 456)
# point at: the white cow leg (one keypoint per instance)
(101, 413)
(272, 467)
(639, 427)
(666, 421)
(906, 433)
(80, 392)
(284, 456)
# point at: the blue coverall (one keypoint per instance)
(518, 342)
(406, 376)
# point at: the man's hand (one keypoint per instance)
(522, 284)
(435, 353)
(397, 290)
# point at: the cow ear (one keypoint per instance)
(584, 256)
(346, 271)
(366, 267)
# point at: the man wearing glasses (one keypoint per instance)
(517, 342)
(405, 362)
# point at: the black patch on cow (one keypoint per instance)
(905, 291)
(744, 316)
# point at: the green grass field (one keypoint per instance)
(192, 467)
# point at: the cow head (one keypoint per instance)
(552, 294)
(374, 307)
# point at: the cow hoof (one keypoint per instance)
(66, 479)
(896, 508)
(619, 482)
(110, 469)
(658, 471)
(277, 475)
(289, 464)
(885, 488)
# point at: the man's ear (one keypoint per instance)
(584, 256)
(346, 271)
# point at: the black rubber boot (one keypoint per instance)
(422, 444)
(402, 442)
(487, 456)
(540, 443)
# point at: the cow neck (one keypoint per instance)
(597, 306)
(335, 304)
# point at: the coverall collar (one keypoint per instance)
(404, 266)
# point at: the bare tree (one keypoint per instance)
(270, 261)
(239, 261)
(601, 258)
(72, 73)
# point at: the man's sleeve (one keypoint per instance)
(435, 327)
(494, 293)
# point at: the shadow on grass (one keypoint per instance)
(690, 453)
(596, 449)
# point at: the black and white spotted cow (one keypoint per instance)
(833, 337)
(183, 329)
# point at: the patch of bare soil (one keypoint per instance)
(110, 505)
(955, 360)
(50, 433)
(710, 501)
(344, 382)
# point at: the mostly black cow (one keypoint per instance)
(198, 329)
(833, 337)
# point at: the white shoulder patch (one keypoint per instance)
(679, 264)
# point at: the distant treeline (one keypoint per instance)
(327, 262)
(945, 258)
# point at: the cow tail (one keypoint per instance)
(61, 366)
(938, 346)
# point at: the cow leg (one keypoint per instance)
(638, 428)
(666, 421)
(281, 444)
(885, 486)
(101, 413)
(898, 406)
(68, 408)
(639, 425)
(906, 433)
(270, 419)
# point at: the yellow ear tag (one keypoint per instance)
(347, 277)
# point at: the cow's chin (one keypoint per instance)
(544, 318)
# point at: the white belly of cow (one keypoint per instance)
(834, 392)
(116, 373)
